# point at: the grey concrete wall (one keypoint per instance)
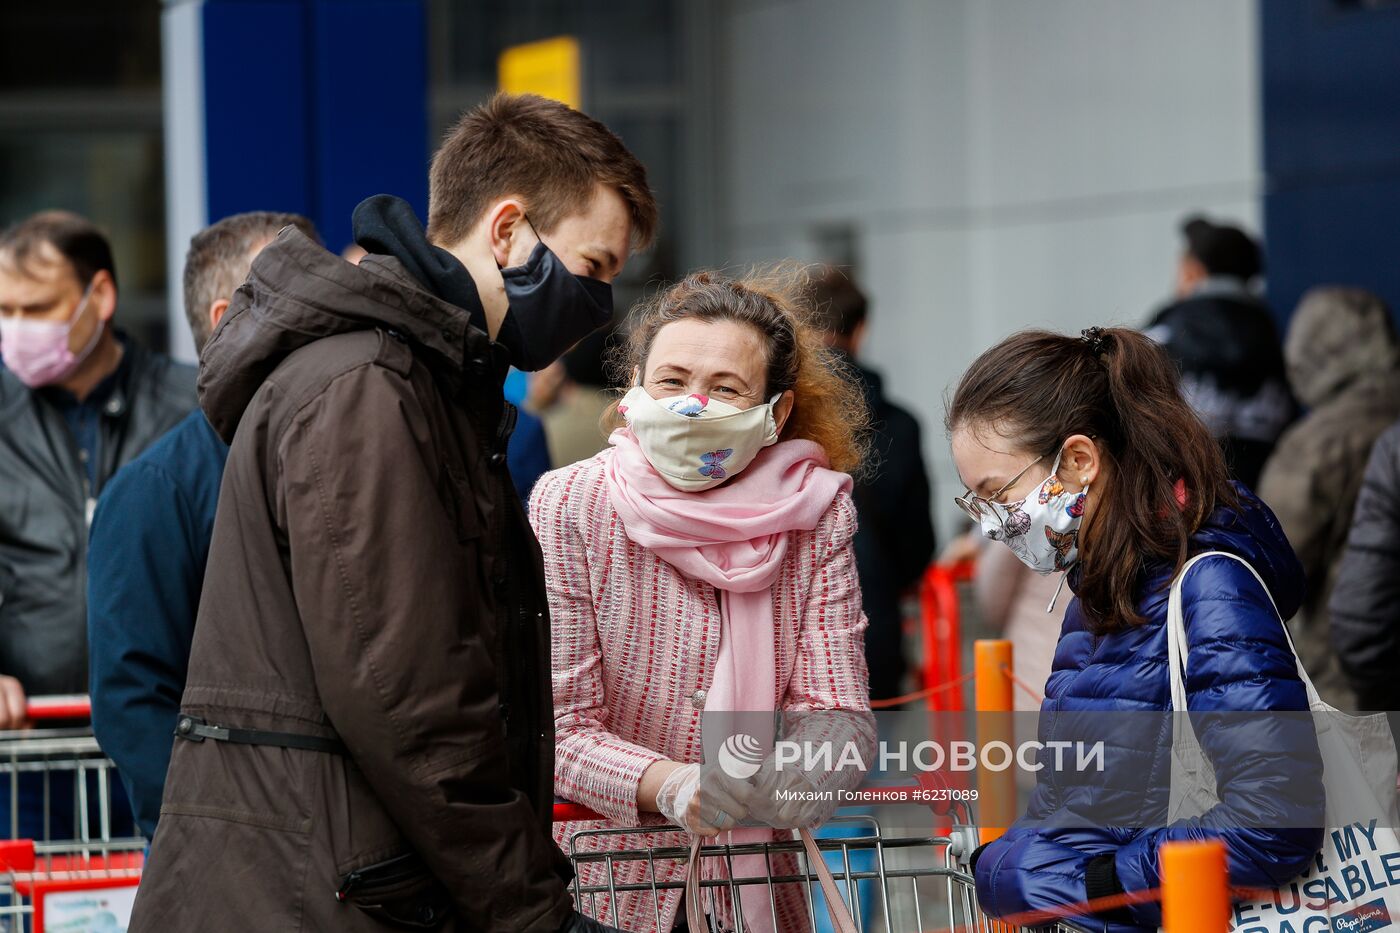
(1000, 163)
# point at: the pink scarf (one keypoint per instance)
(735, 537)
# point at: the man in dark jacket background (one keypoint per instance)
(366, 735)
(1224, 340)
(150, 540)
(78, 399)
(1344, 365)
(895, 541)
(1366, 598)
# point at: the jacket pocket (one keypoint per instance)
(399, 892)
(257, 785)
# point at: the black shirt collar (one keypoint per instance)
(109, 395)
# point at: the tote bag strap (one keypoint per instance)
(841, 920)
(1177, 646)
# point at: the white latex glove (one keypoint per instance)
(787, 799)
(704, 802)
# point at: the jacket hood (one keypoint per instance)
(1254, 533)
(1338, 336)
(298, 293)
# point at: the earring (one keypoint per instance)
(1083, 480)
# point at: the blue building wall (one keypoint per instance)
(313, 105)
(1331, 101)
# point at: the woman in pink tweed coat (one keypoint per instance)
(703, 563)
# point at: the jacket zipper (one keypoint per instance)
(86, 502)
(393, 871)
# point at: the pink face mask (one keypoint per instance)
(37, 351)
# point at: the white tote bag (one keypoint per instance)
(1353, 886)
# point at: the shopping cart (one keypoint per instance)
(890, 884)
(56, 785)
(51, 887)
(70, 857)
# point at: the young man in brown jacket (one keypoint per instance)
(366, 737)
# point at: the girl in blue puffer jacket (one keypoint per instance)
(1080, 454)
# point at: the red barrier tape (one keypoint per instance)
(919, 694)
(1034, 693)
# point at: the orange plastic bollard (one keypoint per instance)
(1195, 887)
(992, 658)
(996, 790)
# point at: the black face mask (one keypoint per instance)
(551, 309)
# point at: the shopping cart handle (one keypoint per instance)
(68, 706)
(964, 841)
(566, 811)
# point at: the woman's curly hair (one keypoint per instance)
(829, 406)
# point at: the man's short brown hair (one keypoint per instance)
(219, 257)
(75, 238)
(549, 154)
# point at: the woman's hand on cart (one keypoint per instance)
(704, 801)
(786, 798)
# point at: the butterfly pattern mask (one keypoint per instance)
(696, 442)
(1042, 529)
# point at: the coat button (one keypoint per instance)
(497, 459)
(697, 699)
(186, 725)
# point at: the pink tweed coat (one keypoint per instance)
(634, 650)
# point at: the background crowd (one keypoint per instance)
(111, 468)
(1306, 418)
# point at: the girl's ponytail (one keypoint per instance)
(1167, 473)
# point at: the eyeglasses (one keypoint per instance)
(977, 507)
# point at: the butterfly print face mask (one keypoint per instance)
(696, 442)
(1042, 529)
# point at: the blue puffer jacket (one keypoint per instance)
(1238, 659)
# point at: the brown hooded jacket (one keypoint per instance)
(371, 580)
